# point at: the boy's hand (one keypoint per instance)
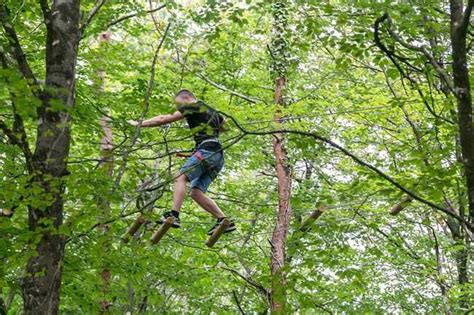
(134, 123)
(224, 127)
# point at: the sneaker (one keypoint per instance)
(229, 229)
(166, 215)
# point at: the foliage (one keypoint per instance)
(356, 259)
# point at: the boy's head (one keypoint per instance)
(185, 97)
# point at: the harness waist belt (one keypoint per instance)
(210, 144)
(209, 140)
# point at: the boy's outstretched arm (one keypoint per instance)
(159, 120)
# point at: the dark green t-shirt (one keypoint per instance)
(203, 120)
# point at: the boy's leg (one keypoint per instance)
(178, 196)
(210, 206)
(206, 203)
(179, 192)
(190, 171)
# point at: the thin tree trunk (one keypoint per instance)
(462, 89)
(464, 98)
(280, 232)
(461, 256)
(42, 282)
(106, 165)
(283, 171)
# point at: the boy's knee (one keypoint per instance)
(180, 178)
(195, 193)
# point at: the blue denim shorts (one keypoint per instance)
(202, 168)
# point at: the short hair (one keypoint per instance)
(185, 92)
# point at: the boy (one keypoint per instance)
(207, 160)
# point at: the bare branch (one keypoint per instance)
(250, 281)
(132, 15)
(421, 49)
(390, 54)
(402, 204)
(237, 301)
(231, 92)
(221, 87)
(467, 15)
(91, 15)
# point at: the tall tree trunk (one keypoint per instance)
(280, 232)
(106, 165)
(463, 95)
(41, 285)
(461, 255)
(283, 171)
(462, 89)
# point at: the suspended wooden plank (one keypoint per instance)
(218, 233)
(396, 209)
(164, 227)
(133, 229)
(306, 225)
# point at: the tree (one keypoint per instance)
(279, 53)
(457, 83)
(47, 163)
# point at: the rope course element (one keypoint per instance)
(265, 131)
(158, 235)
(306, 225)
(194, 223)
(218, 233)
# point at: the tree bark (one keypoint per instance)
(461, 255)
(462, 89)
(41, 285)
(463, 95)
(283, 170)
(106, 166)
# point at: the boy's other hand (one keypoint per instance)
(134, 123)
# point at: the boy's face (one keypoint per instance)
(184, 99)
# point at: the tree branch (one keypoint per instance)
(250, 281)
(9, 133)
(237, 301)
(18, 52)
(231, 92)
(91, 15)
(359, 161)
(421, 49)
(467, 16)
(132, 15)
(17, 135)
(46, 10)
(148, 93)
(20, 142)
(383, 48)
(221, 87)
